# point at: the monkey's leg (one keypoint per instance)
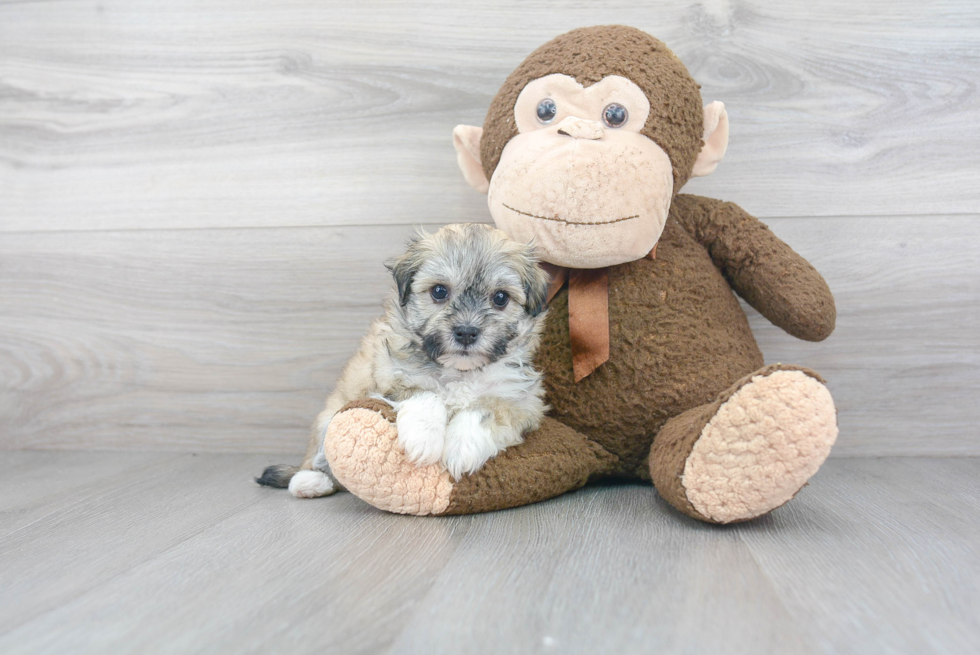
(363, 452)
(749, 451)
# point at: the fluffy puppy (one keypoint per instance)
(453, 354)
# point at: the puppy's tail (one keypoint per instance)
(277, 476)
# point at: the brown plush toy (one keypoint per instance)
(650, 367)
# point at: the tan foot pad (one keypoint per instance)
(761, 447)
(364, 455)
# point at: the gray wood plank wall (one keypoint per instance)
(196, 197)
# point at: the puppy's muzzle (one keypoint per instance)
(466, 334)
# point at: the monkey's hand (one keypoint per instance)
(761, 268)
(421, 426)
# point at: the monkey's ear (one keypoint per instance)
(466, 140)
(715, 140)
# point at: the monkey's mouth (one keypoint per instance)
(562, 220)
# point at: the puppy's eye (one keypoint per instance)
(439, 293)
(500, 299)
(547, 109)
(615, 115)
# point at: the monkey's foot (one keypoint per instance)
(363, 452)
(748, 452)
(362, 448)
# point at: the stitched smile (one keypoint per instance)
(562, 220)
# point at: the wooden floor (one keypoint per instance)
(151, 552)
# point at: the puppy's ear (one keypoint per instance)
(404, 268)
(536, 281)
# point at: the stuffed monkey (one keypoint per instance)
(650, 366)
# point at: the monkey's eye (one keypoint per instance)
(615, 115)
(439, 293)
(547, 110)
(500, 299)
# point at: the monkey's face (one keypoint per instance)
(579, 177)
(587, 142)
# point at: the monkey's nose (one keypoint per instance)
(466, 334)
(580, 128)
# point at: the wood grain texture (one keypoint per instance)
(875, 556)
(602, 570)
(104, 527)
(33, 481)
(884, 559)
(191, 114)
(229, 340)
(195, 197)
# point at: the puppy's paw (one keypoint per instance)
(470, 442)
(311, 484)
(422, 428)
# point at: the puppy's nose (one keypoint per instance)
(466, 334)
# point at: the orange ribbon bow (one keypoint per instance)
(588, 313)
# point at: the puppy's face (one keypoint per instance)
(468, 292)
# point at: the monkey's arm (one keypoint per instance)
(763, 270)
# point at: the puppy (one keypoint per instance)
(453, 355)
